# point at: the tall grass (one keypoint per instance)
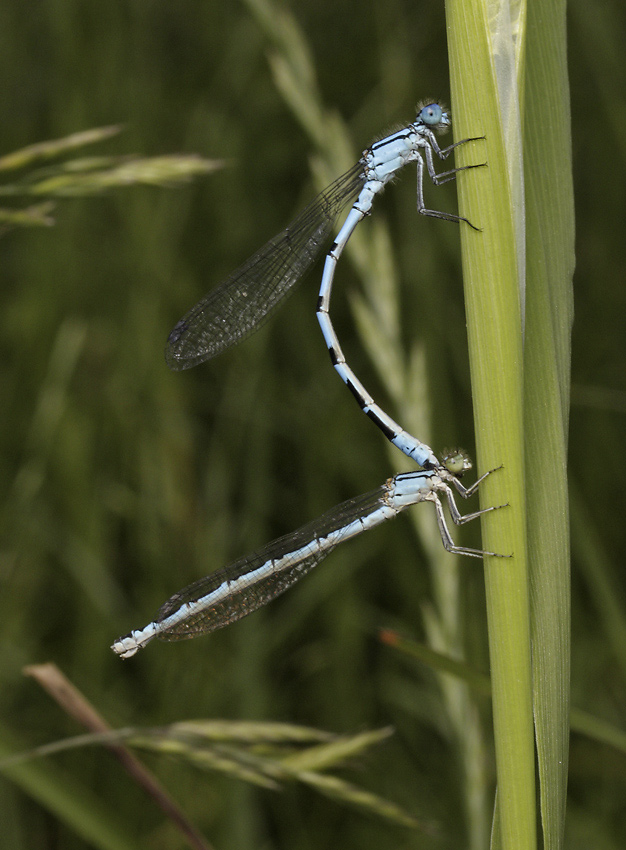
(123, 482)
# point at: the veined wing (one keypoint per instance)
(241, 304)
(251, 582)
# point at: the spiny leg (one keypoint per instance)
(457, 517)
(445, 176)
(466, 492)
(446, 537)
(444, 153)
(421, 206)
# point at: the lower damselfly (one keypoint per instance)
(251, 582)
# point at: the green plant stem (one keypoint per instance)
(492, 269)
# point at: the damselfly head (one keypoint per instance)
(457, 461)
(433, 116)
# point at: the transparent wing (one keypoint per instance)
(251, 582)
(248, 296)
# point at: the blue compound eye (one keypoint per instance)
(431, 114)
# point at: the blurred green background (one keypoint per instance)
(122, 481)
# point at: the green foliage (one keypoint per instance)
(85, 176)
(124, 482)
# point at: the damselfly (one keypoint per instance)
(251, 582)
(246, 299)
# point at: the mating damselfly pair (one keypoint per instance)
(238, 307)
